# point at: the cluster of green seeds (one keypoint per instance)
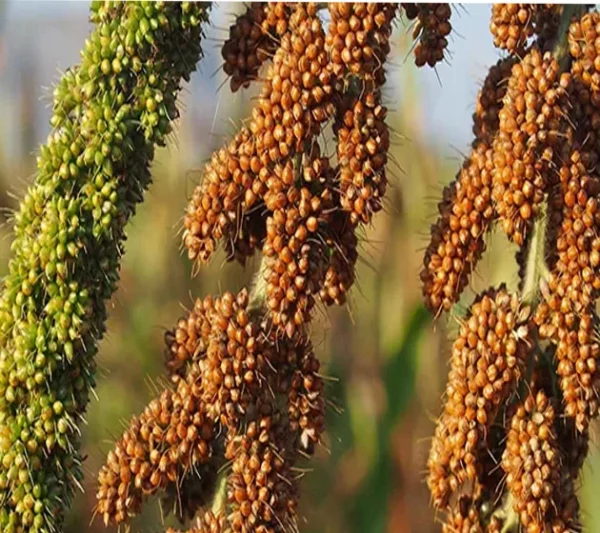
(108, 115)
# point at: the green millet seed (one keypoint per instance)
(109, 113)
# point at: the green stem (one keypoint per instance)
(220, 497)
(561, 46)
(258, 293)
(536, 268)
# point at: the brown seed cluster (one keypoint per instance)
(488, 358)
(342, 244)
(457, 237)
(523, 149)
(568, 316)
(271, 187)
(304, 388)
(359, 38)
(363, 143)
(585, 49)
(186, 343)
(233, 363)
(513, 24)
(226, 203)
(261, 491)
(253, 38)
(243, 395)
(296, 98)
(466, 210)
(295, 255)
(172, 435)
(532, 462)
(431, 31)
(486, 117)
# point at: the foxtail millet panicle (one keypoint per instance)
(268, 188)
(488, 358)
(359, 38)
(486, 117)
(222, 204)
(185, 343)
(69, 234)
(431, 30)
(262, 489)
(172, 436)
(512, 25)
(253, 38)
(534, 466)
(457, 237)
(523, 149)
(466, 212)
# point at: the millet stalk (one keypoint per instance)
(535, 266)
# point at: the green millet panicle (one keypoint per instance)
(109, 113)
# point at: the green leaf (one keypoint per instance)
(369, 512)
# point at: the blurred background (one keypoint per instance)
(386, 360)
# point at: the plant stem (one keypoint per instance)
(535, 267)
(259, 288)
(220, 498)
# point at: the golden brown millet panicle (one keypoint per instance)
(466, 212)
(299, 380)
(585, 49)
(253, 39)
(537, 477)
(523, 149)
(234, 361)
(567, 316)
(171, 436)
(359, 38)
(295, 249)
(343, 255)
(513, 24)
(262, 490)
(585, 91)
(296, 96)
(220, 207)
(488, 358)
(431, 31)
(457, 237)
(295, 101)
(577, 352)
(358, 41)
(363, 141)
(489, 101)
(186, 343)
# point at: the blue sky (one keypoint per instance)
(446, 99)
